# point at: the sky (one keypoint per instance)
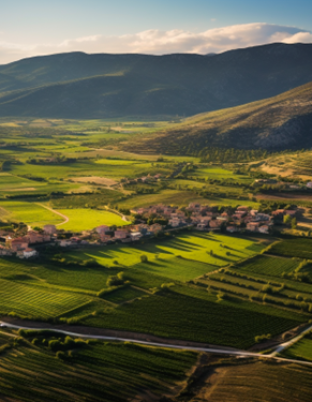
(37, 27)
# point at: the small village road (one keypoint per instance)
(57, 213)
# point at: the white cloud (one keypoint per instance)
(162, 42)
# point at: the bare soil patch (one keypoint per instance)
(21, 189)
(95, 179)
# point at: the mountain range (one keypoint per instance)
(78, 85)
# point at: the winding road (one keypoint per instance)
(220, 351)
(57, 213)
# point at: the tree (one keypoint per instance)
(287, 220)
(293, 223)
(144, 258)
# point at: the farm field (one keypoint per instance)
(85, 219)
(28, 212)
(191, 246)
(166, 307)
(17, 186)
(104, 371)
(32, 301)
(123, 295)
(95, 200)
(255, 381)
(301, 248)
(92, 168)
(301, 350)
(177, 316)
(269, 266)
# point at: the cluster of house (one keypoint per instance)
(290, 186)
(200, 217)
(145, 179)
(23, 246)
(203, 217)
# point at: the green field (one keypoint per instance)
(123, 295)
(61, 288)
(301, 350)
(31, 301)
(28, 212)
(177, 316)
(85, 219)
(269, 266)
(301, 248)
(192, 246)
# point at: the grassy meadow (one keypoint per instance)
(85, 219)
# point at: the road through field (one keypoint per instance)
(215, 350)
(288, 344)
(226, 351)
(57, 213)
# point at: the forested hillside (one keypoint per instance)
(278, 123)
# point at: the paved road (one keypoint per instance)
(57, 213)
(234, 352)
(287, 345)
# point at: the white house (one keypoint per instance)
(29, 252)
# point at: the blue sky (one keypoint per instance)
(45, 26)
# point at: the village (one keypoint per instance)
(148, 222)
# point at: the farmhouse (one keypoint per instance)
(264, 229)
(253, 226)
(102, 230)
(215, 224)
(18, 244)
(121, 234)
(50, 229)
(142, 228)
(135, 236)
(156, 228)
(35, 237)
(29, 252)
(5, 252)
(65, 243)
(232, 229)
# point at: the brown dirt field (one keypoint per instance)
(21, 189)
(95, 179)
(284, 197)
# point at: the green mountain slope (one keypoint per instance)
(77, 85)
(281, 122)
